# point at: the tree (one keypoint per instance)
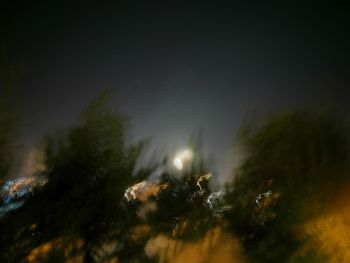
(292, 168)
(89, 166)
(184, 200)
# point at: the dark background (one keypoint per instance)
(177, 67)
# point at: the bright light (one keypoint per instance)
(178, 163)
(182, 157)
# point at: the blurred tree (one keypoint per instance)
(89, 166)
(292, 167)
(183, 202)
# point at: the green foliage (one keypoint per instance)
(95, 149)
(89, 167)
(183, 201)
(301, 157)
(292, 166)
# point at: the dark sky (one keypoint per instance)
(176, 67)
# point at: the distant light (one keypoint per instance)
(178, 163)
(182, 157)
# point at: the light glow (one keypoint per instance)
(181, 158)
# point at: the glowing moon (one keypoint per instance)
(178, 163)
(182, 157)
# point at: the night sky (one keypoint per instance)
(177, 67)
